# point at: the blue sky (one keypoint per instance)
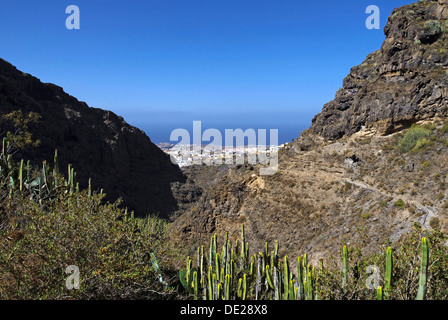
(163, 63)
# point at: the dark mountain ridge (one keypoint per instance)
(120, 158)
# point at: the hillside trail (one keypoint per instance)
(429, 212)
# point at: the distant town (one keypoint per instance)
(188, 155)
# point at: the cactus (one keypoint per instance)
(269, 277)
(217, 265)
(243, 244)
(309, 287)
(228, 287)
(219, 294)
(195, 285)
(389, 267)
(422, 282)
(259, 276)
(244, 293)
(300, 288)
(344, 268)
(379, 293)
(21, 175)
(292, 292)
(286, 280)
(240, 288)
(210, 283)
(276, 283)
(182, 277)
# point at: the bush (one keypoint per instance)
(113, 251)
(434, 26)
(400, 204)
(414, 139)
(45, 231)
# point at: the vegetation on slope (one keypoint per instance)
(48, 224)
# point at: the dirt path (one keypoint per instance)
(424, 219)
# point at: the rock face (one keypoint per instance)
(118, 157)
(403, 82)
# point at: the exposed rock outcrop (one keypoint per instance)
(403, 82)
(118, 157)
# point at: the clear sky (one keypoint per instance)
(161, 64)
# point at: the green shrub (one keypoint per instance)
(400, 203)
(433, 25)
(43, 233)
(415, 137)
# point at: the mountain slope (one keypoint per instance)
(118, 157)
(347, 170)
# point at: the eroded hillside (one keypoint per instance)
(350, 169)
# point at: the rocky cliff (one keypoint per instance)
(403, 82)
(118, 157)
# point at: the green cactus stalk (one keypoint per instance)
(222, 275)
(259, 276)
(304, 266)
(389, 268)
(286, 275)
(232, 268)
(195, 285)
(210, 283)
(21, 175)
(344, 267)
(309, 286)
(291, 295)
(215, 286)
(45, 173)
(225, 251)
(204, 289)
(189, 264)
(201, 262)
(276, 283)
(240, 288)
(251, 268)
(300, 287)
(217, 265)
(266, 252)
(244, 294)
(269, 277)
(182, 277)
(212, 254)
(422, 282)
(243, 244)
(69, 175)
(219, 292)
(263, 263)
(89, 190)
(379, 293)
(228, 287)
